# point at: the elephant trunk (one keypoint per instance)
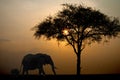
(50, 61)
(53, 69)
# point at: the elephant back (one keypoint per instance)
(45, 58)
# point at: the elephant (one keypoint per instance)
(36, 61)
(15, 71)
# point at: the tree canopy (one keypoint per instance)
(78, 25)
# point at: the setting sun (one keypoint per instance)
(65, 32)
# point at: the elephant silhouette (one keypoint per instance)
(15, 71)
(36, 61)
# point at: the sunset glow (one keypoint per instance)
(18, 17)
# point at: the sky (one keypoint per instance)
(18, 17)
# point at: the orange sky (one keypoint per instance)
(17, 40)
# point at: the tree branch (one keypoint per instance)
(72, 44)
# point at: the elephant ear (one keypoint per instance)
(47, 58)
(40, 58)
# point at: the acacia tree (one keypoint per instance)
(78, 25)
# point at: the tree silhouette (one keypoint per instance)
(79, 26)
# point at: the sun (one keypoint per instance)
(65, 32)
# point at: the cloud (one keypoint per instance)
(4, 40)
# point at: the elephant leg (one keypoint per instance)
(53, 70)
(25, 71)
(41, 71)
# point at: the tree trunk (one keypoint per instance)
(79, 58)
(78, 63)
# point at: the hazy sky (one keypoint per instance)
(17, 17)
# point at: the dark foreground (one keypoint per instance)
(61, 77)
